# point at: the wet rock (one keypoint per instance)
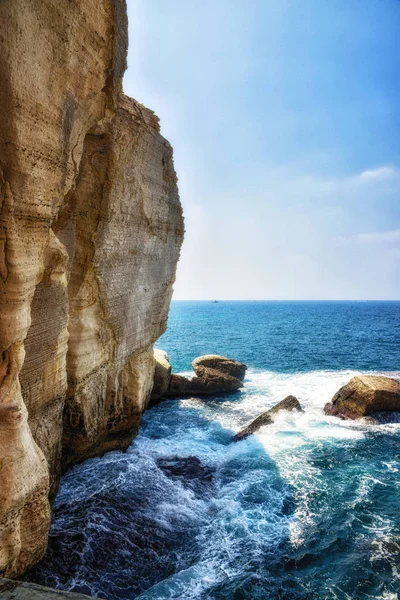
(289, 403)
(19, 590)
(365, 395)
(189, 471)
(384, 418)
(203, 365)
(162, 374)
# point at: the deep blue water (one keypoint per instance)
(307, 509)
(287, 337)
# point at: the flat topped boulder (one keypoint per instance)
(365, 395)
(289, 403)
(214, 375)
(213, 362)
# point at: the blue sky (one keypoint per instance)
(285, 122)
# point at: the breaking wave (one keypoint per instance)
(308, 508)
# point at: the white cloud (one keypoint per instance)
(379, 236)
(379, 173)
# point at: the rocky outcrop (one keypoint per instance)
(365, 395)
(214, 375)
(289, 403)
(123, 248)
(20, 590)
(90, 232)
(162, 374)
(205, 366)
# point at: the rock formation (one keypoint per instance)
(90, 233)
(20, 590)
(206, 366)
(289, 403)
(214, 375)
(162, 374)
(365, 395)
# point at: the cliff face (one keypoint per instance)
(90, 233)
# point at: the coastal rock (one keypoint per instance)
(162, 374)
(384, 418)
(209, 363)
(289, 403)
(46, 113)
(22, 590)
(90, 234)
(212, 383)
(190, 472)
(365, 395)
(214, 375)
(179, 386)
(124, 246)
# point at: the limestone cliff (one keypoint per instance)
(90, 233)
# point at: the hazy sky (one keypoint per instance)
(285, 121)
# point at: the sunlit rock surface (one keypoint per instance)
(90, 232)
(122, 227)
(365, 395)
(162, 374)
(214, 374)
(214, 362)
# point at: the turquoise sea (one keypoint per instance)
(307, 509)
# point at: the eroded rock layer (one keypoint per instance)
(122, 227)
(90, 232)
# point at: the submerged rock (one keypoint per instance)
(266, 418)
(162, 374)
(365, 395)
(190, 471)
(22, 590)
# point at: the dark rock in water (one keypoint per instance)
(190, 472)
(365, 395)
(289, 403)
(112, 542)
(204, 365)
(384, 418)
(22, 590)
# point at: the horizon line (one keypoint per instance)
(285, 300)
